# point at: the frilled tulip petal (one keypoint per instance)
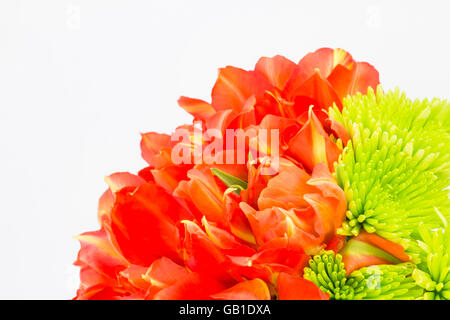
(296, 288)
(319, 90)
(169, 177)
(234, 86)
(351, 81)
(203, 192)
(200, 109)
(226, 241)
(286, 189)
(322, 62)
(266, 224)
(392, 248)
(339, 131)
(308, 208)
(146, 174)
(100, 263)
(325, 60)
(99, 292)
(312, 145)
(365, 76)
(237, 221)
(146, 230)
(164, 272)
(287, 127)
(135, 275)
(331, 204)
(105, 204)
(202, 255)
(255, 289)
(281, 255)
(277, 70)
(120, 180)
(369, 249)
(206, 191)
(152, 143)
(98, 253)
(193, 286)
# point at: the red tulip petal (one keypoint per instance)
(323, 61)
(193, 286)
(98, 292)
(200, 109)
(169, 177)
(144, 223)
(320, 90)
(276, 70)
(202, 255)
(146, 174)
(203, 191)
(266, 224)
(281, 255)
(358, 79)
(365, 76)
(120, 180)
(105, 204)
(99, 261)
(152, 143)
(339, 131)
(164, 272)
(237, 221)
(392, 248)
(234, 86)
(255, 289)
(296, 288)
(135, 275)
(341, 79)
(336, 243)
(226, 241)
(369, 249)
(312, 145)
(286, 190)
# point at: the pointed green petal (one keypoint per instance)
(328, 272)
(433, 273)
(396, 165)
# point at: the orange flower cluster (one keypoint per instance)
(178, 231)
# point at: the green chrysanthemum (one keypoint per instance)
(396, 165)
(433, 273)
(328, 272)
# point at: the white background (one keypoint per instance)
(79, 80)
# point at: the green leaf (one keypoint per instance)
(230, 181)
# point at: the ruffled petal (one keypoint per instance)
(370, 249)
(296, 288)
(193, 286)
(277, 70)
(201, 110)
(146, 229)
(255, 289)
(356, 79)
(202, 255)
(234, 86)
(286, 190)
(312, 145)
(119, 180)
(152, 143)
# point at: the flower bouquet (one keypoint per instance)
(297, 181)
